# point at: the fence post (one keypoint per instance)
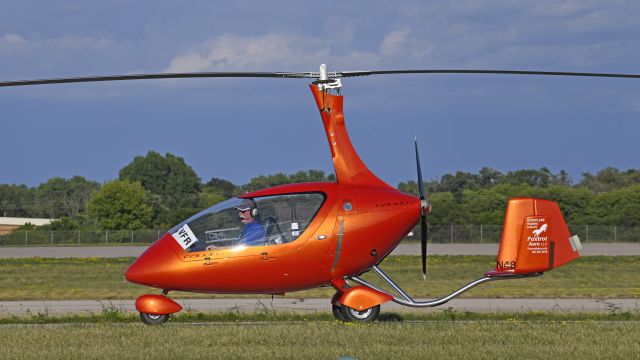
(78, 237)
(452, 233)
(615, 234)
(26, 238)
(587, 233)
(106, 236)
(481, 237)
(132, 236)
(51, 236)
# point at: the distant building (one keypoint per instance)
(8, 224)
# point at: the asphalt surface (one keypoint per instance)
(315, 305)
(610, 249)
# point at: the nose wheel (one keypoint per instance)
(347, 314)
(154, 319)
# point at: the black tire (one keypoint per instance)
(154, 319)
(337, 312)
(367, 315)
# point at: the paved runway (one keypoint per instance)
(314, 305)
(616, 249)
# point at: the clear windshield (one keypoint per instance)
(269, 220)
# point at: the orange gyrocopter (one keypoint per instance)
(294, 237)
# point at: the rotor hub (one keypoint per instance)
(327, 81)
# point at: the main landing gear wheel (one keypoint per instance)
(353, 315)
(154, 319)
(337, 312)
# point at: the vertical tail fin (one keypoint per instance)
(535, 238)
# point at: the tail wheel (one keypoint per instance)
(154, 319)
(367, 315)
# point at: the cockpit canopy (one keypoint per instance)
(273, 220)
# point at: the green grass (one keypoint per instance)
(100, 278)
(507, 339)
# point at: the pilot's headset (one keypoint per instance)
(249, 204)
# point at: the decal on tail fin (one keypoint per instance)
(535, 238)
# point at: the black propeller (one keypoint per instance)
(322, 76)
(424, 208)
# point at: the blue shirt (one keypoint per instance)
(252, 234)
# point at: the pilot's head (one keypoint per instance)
(247, 210)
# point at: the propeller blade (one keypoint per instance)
(423, 215)
(420, 182)
(423, 244)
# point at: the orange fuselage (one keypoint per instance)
(360, 222)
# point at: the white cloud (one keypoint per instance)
(13, 39)
(283, 52)
(393, 42)
(270, 51)
(80, 42)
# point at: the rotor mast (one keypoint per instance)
(350, 169)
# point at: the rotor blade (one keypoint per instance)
(308, 75)
(497, 72)
(161, 76)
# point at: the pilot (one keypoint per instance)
(253, 231)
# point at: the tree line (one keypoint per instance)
(158, 191)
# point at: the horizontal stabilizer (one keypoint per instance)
(535, 238)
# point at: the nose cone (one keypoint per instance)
(155, 266)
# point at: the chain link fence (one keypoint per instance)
(80, 237)
(439, 234)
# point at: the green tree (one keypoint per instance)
(121, 204)
(265, 181)
(66, 197)
(562, 178)
(63, 223)
(609, 179)
(486, 206)
(446, 210)
(409, 187)
(215, 191)
(19, 201)
(538, 178)
(489, 177)
(173, 185)
(225, 187)
(459, 182)
(617, 207)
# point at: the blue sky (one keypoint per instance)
(240, 128)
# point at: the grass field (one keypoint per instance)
(503, 339)
(266, 334)
(98, 278)
(111, 314)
